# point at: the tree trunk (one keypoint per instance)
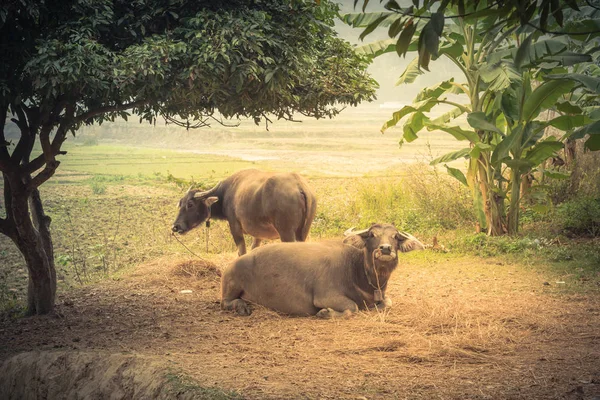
(493, 206)
(31, 234)
(42, 285)
(570, 152)
(526, 182)
(515, 201)
(494, 213)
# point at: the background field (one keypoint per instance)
(475, 317)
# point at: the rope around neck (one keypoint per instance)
(378, 287)
(207, 233)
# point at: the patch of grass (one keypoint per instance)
(98, 187)
(108, 178)
(181, 384)
(422, 202)
(122, 161)
(490, 246)
(580, 216)
(10, 301)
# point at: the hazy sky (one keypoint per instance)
(387, 68)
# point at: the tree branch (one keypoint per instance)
(60, 136)
(26, 140)
(63, 128)
(186, 124)
(46, 145)
(220, 122)
(43, 176)
(103, 110)
(51, 150)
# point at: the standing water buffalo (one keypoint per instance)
(328, 279)
(264, 205)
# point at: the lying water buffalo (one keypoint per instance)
(264, 205)
(328, 279)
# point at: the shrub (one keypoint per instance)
(580, 217)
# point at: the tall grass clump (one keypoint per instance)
(420, 200)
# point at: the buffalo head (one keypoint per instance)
(194, 209)
(382, 242)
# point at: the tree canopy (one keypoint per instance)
(426, 19)
(71, 62)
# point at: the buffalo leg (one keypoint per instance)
(335, 307)
(287, 236)
(238, 237)
(256, 243)
(385, 303)
(231, 294)
(238, 305)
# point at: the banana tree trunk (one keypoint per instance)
(515, 200)
(493, 205)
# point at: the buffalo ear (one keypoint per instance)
(355, 241)
(407, 242)
(211, 200)
(365, 233)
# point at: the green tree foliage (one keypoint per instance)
(513, 76)
(71, 62)
(543, 16)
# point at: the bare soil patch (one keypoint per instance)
(460, 328)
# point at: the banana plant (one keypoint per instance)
(503, 68)
(580, 109)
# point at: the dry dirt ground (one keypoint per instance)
(460, 328)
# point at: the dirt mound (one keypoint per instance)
(197, 269)
(84, 375)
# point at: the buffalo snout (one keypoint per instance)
(386, 249)
(177, 228)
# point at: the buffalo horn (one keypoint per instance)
(348, 231)
(409, 242)
(351, 231)
(208, 192)
(406, 236)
